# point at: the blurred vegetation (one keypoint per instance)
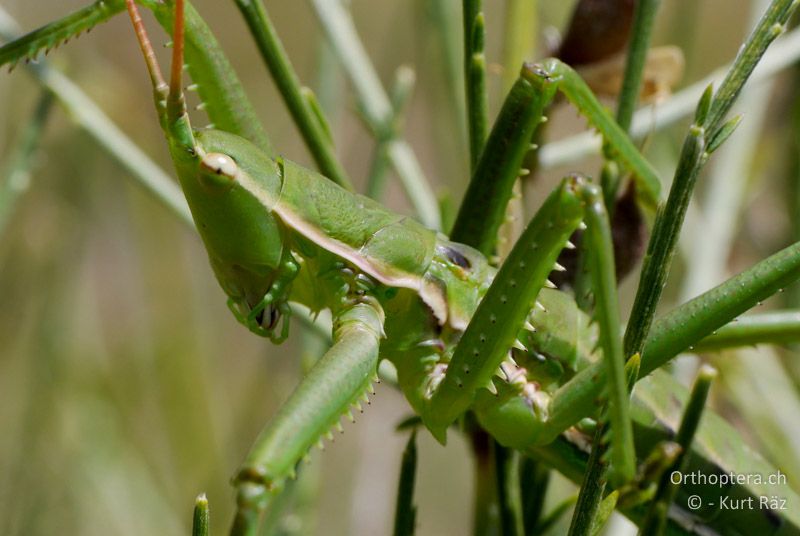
(127, 388)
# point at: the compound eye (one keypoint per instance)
(220, 164)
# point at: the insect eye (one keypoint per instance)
(219, 164)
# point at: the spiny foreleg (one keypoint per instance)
(482, 358)
(504, 309)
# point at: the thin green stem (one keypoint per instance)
(534, 479)
(766, 31)
(328, 82)
(201, 521)
(484, 509)
(777, 327)
(655, 522)
(661, 247)
(681, 329)
(307, 118)
(590, 512)
(405, 512)
(693, 321)
(706, 254)
(475, 78)
(378, 169)
(705, 135)
(506, 469)
(17, 178)
(375, 106)
(643, 17)
(592, 488)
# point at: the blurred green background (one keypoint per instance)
(127, 388)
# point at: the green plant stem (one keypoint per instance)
(643, 17)
(484, 508)
(475, 78)
(534, 480)
(766, 31)
(661, 247)
(328, 81)
(688, 324)
(655, 521)
(311, 124)
(506, 469)
(699, 142)
(592, 488)
(200, 522)
(590, 513)
(706, 254)
(405, 511)
(681, 329)
(376, 107)
(17, 178)
(776, 327)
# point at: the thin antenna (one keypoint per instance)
(157, 78)
(175, 90)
